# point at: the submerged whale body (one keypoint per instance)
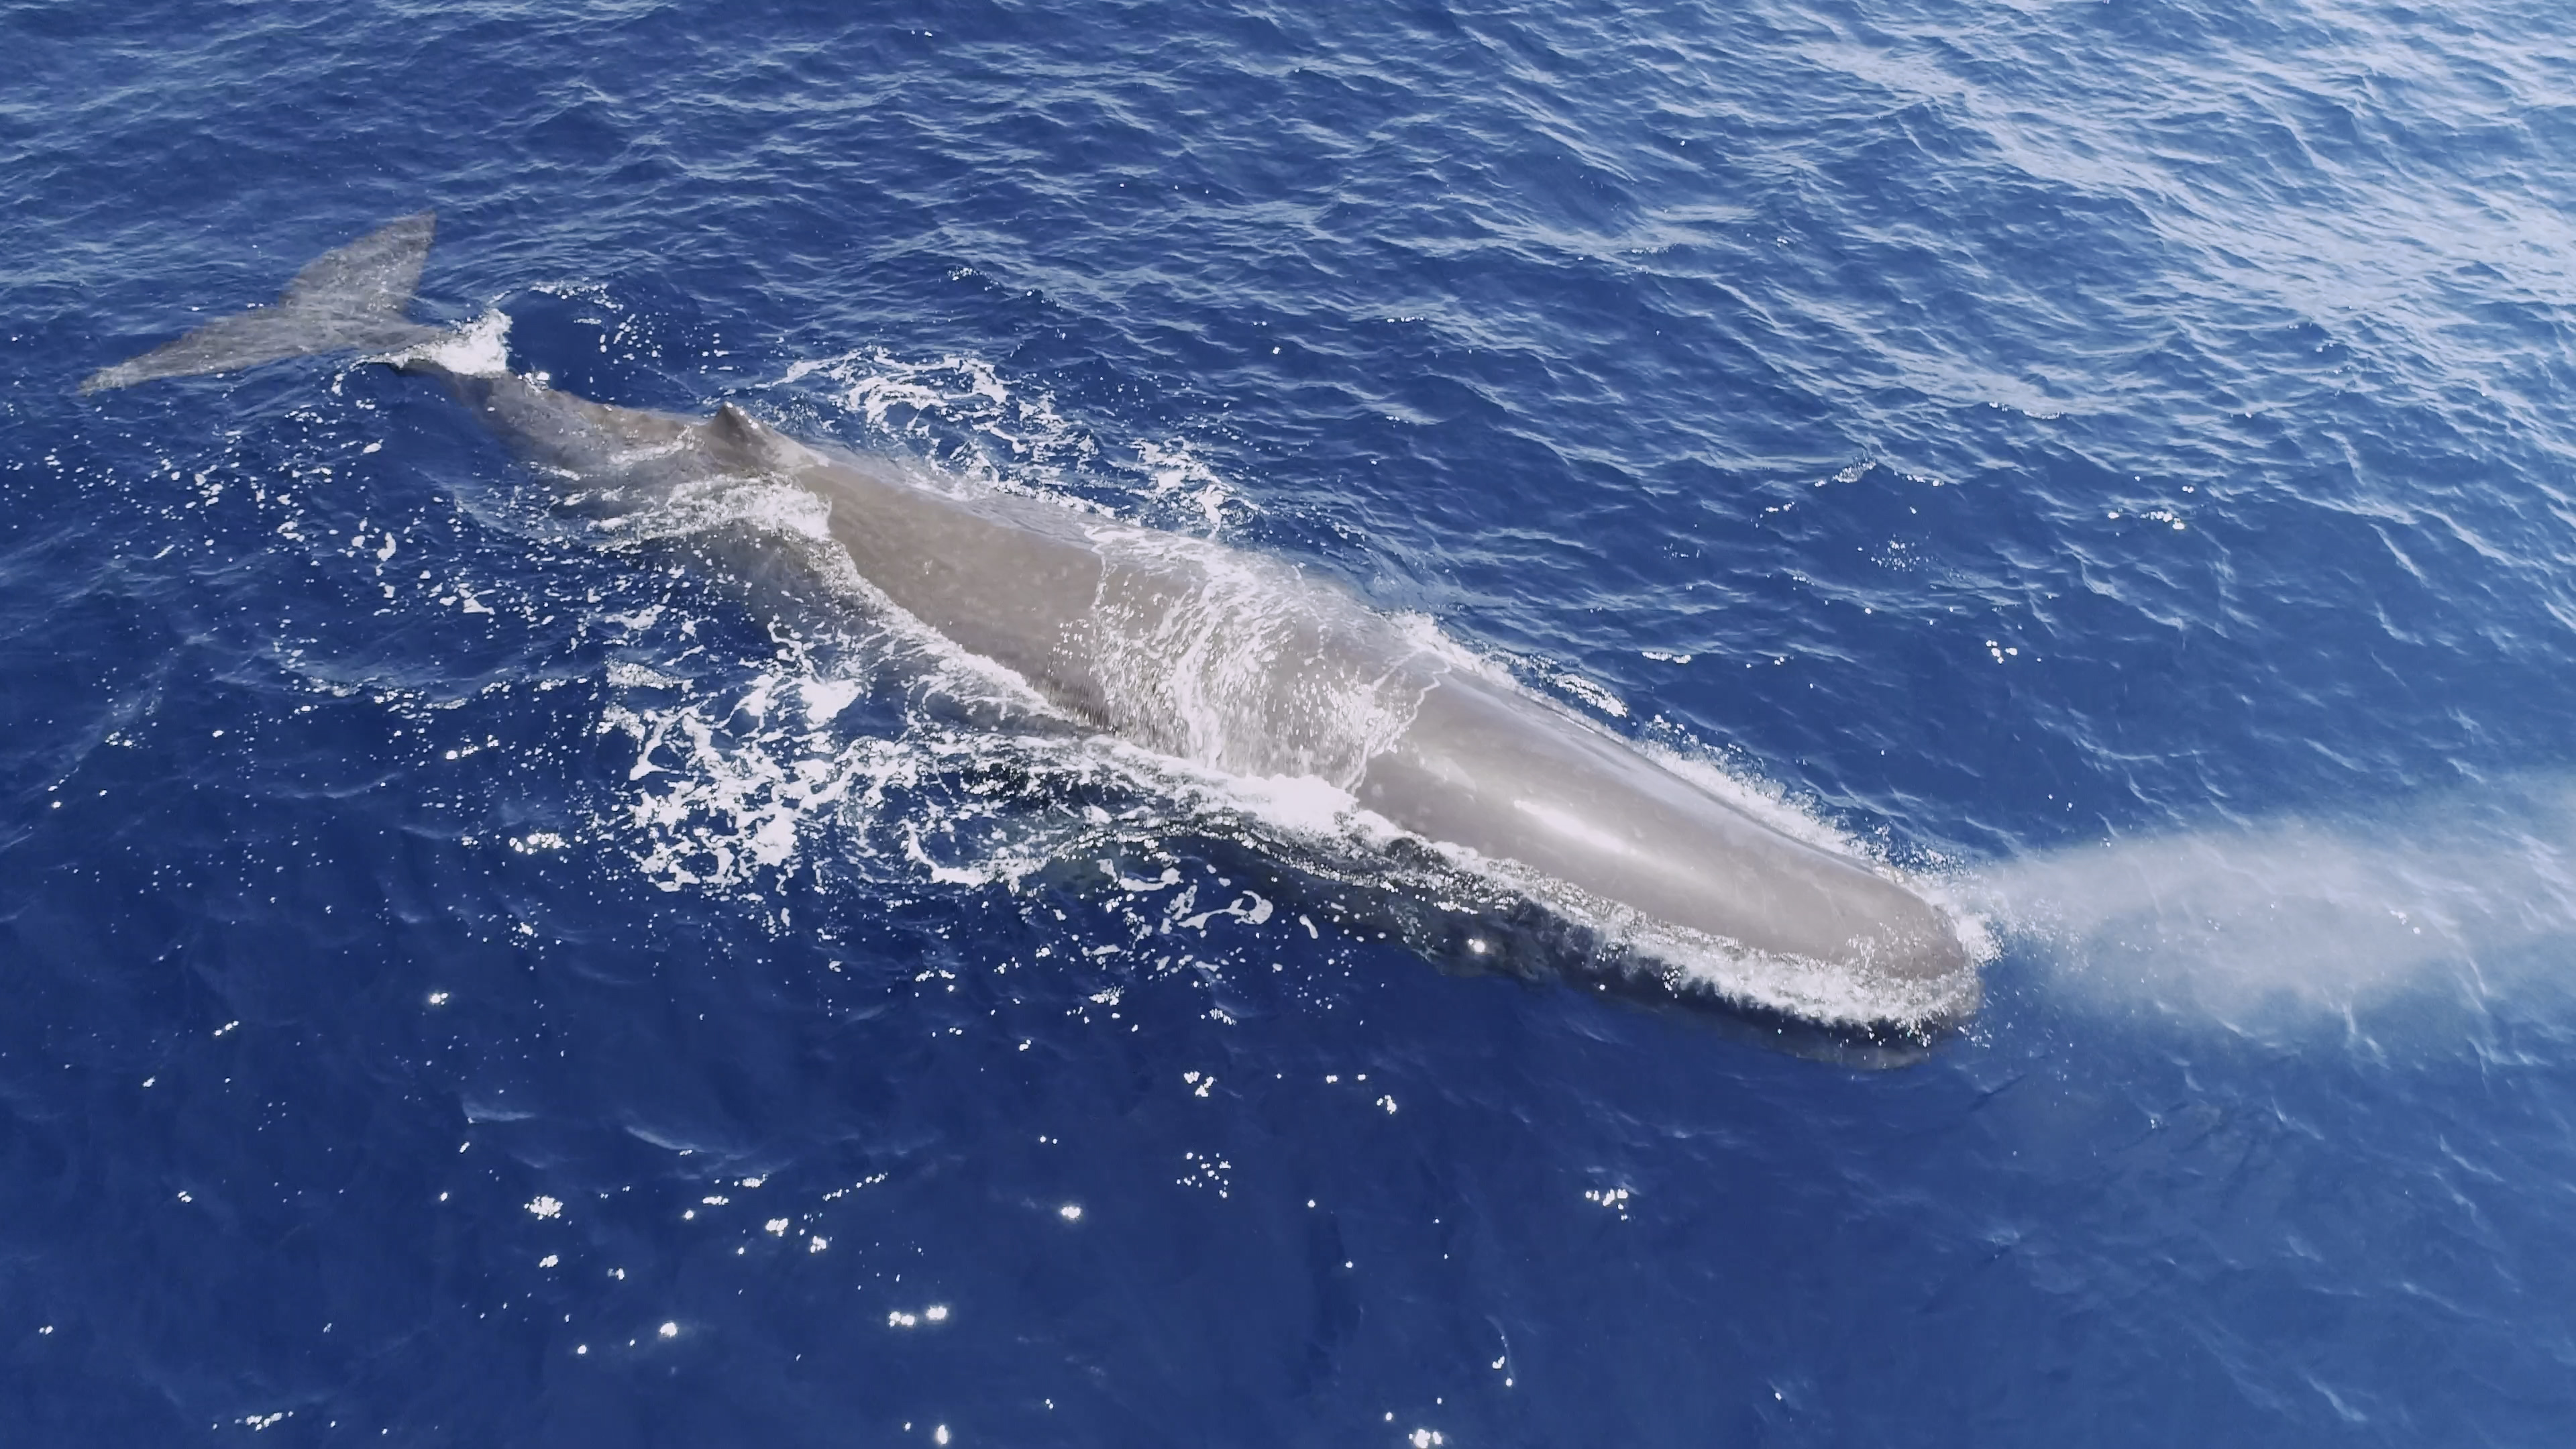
(1225, 659)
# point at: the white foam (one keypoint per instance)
(996, 432)
(1592, 693)
(480, 348)
(763, 505)
(1192, 641)
(1175, 473)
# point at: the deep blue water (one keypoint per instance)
(469, 982)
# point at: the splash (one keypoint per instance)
(480, 348)
(984, 429)
(1192, 640)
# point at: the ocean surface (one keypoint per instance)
(469, 976)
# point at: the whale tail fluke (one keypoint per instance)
(351, 298)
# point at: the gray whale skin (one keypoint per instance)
(1209, 654)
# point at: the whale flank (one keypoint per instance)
(1225, 661)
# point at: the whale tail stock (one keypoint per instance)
(351, 298)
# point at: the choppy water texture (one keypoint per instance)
(476, 978)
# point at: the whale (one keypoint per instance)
(1227, 659)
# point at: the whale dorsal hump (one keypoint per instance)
(735, 438)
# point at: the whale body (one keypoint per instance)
(1223, 658)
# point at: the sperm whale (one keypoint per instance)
(1217, 656)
